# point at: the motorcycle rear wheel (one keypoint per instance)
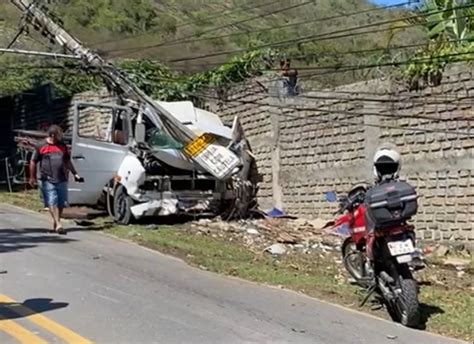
(406, 308)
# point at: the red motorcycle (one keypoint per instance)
(382, 260)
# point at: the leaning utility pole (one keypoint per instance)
(216, 159)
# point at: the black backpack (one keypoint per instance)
(390, 204)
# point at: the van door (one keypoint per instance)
(101, 139)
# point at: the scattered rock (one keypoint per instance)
(202, 267)
(456, 262)
(428, 250)
(325, 248)
(276, 249)
(97, 256)
(318, 223)
(286, 238)
(392, 337)
(253, 231)
(298, 330)
(469, 249)
(152, 226)
(442, 251)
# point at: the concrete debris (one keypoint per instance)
(286, 238)
(458, 263)
(441, 251)
(298, 235)
(276, 249)
(298, 330)
(318, 223)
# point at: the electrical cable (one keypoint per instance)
(236, 23)
(21, 30)
(210, 17)
(334, 53)
(166, 43)
(325, 36)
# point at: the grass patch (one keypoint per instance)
(28, 199)
(447, 309)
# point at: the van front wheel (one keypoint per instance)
(122, 206)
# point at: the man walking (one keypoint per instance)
(54, 163)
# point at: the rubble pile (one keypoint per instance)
(277, 236)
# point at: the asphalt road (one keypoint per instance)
(86, 287)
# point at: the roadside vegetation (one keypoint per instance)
(446, 297)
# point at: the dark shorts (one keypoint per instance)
(54, 194)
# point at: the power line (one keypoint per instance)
(265, 29)
(350, 68)
(37, 53)
(389, 64)
(219, 14)
(212, 16)
(237, 22)
(22, 28)
(325, 36)
(388, 99)
(335, 53)
(385, 64)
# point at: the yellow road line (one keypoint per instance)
(19, 333)
(51, 326)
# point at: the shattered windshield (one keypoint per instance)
(158, 139)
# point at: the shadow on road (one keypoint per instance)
(16, 240)
(15, 310)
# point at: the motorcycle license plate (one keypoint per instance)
(397, 248)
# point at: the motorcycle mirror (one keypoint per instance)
(331, 197)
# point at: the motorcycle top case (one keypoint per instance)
(390, 204)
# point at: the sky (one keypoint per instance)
(388, 2)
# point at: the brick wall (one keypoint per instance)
(324, 141)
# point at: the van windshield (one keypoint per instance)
(158, 139)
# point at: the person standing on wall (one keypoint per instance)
(291, 75)
(54, 162)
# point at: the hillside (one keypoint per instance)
(141, 29)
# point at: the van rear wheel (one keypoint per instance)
(122, 206)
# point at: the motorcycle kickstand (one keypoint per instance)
(370, 291)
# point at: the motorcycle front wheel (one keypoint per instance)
(354, 261)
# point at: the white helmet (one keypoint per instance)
(387, 164)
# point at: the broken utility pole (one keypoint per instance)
(215, 159)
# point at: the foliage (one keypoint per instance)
(161, 83)
(450, 33)
(119, 28)
(117, 16)
(22, 77)
(152, 77)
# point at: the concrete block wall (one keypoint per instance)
(259, 129)
(325, 141)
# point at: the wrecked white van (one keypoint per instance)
(135, 168)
